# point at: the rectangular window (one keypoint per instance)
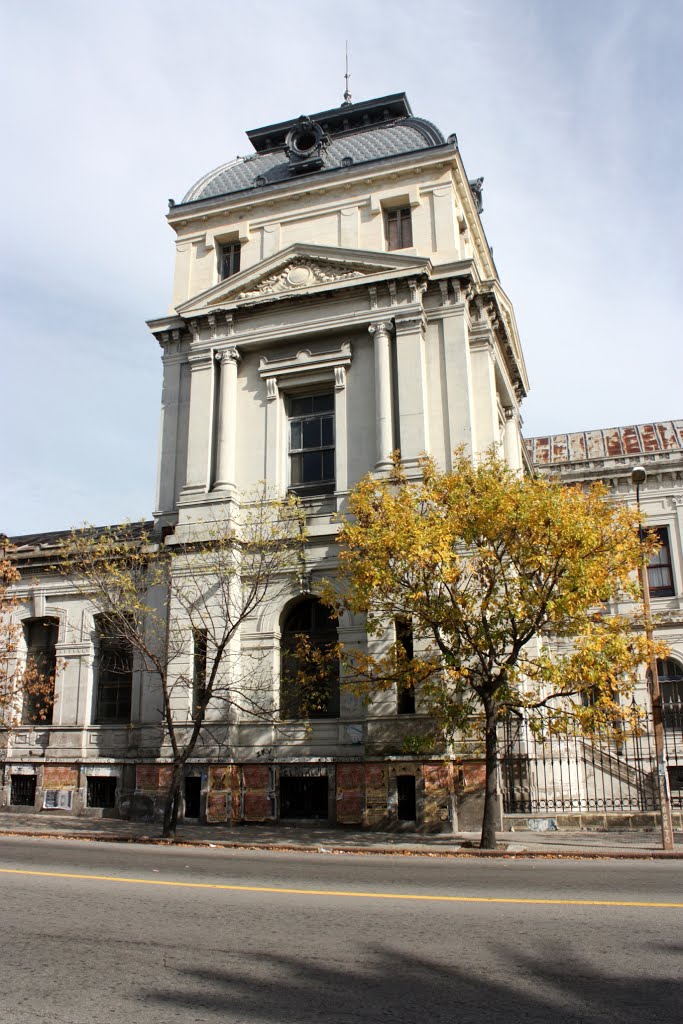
(200, 640)
(311, 444)
(405, 695)
(659, 571)
(23, 790)
(102, 791)
(229, 259)
(398, 228)
(114, 677)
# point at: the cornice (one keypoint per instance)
(360, 173)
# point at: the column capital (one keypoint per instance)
(228, 355)
(382, 328)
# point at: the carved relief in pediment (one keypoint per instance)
(300, 273)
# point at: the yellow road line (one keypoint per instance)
(340, 892)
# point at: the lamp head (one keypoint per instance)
(638, 475)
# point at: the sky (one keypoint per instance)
(572, 113)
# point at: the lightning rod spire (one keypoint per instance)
(347, 94)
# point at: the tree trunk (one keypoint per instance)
(172, 804)
(490, 819)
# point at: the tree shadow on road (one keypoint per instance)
(380, 985)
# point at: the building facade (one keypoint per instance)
(335, 299)
(597, 780)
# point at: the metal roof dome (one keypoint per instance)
(347, 135)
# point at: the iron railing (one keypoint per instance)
(609, 770)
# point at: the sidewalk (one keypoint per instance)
(336, 840)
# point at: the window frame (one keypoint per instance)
(44, 657)
(106, 644)
(232, 253)
(324, 484)
(661, 562)
(400, 220)
(292, 701)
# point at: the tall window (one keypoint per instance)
(309, 666)
(199, 643)
(405, 695)
(311, 444)
(398, 228)
(229, 259)
(114, 677)
(41, 664)
(659, 572)
(671, 685)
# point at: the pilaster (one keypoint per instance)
(413, 405)
(200, 425)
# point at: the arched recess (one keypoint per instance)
(670, 672)
(40, 637)
(309, 665)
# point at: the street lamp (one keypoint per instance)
(638, 477)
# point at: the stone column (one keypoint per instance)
(384, 418)
(226, 433)
(511, 442)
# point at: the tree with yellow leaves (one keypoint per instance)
(503, 578)
(179, 605)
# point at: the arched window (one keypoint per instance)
(670, 675)
(41, 663)
(309, 667)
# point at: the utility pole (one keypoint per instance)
(638, 477)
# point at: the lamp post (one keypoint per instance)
(638, 477)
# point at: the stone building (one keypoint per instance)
(612, 779)
(335, 298)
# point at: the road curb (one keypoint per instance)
(467, 853)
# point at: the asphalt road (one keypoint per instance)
(93, 933)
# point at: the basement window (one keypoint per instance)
(102, 791)
(23, 790)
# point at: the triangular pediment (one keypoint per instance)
(300, 269)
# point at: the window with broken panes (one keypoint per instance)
(114, 677)
(311, 444)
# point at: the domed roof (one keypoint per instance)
(351, 134)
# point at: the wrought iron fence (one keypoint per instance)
(546, 772)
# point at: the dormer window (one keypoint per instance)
(398, 228)
(229, 259)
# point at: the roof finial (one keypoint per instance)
(347, 94)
